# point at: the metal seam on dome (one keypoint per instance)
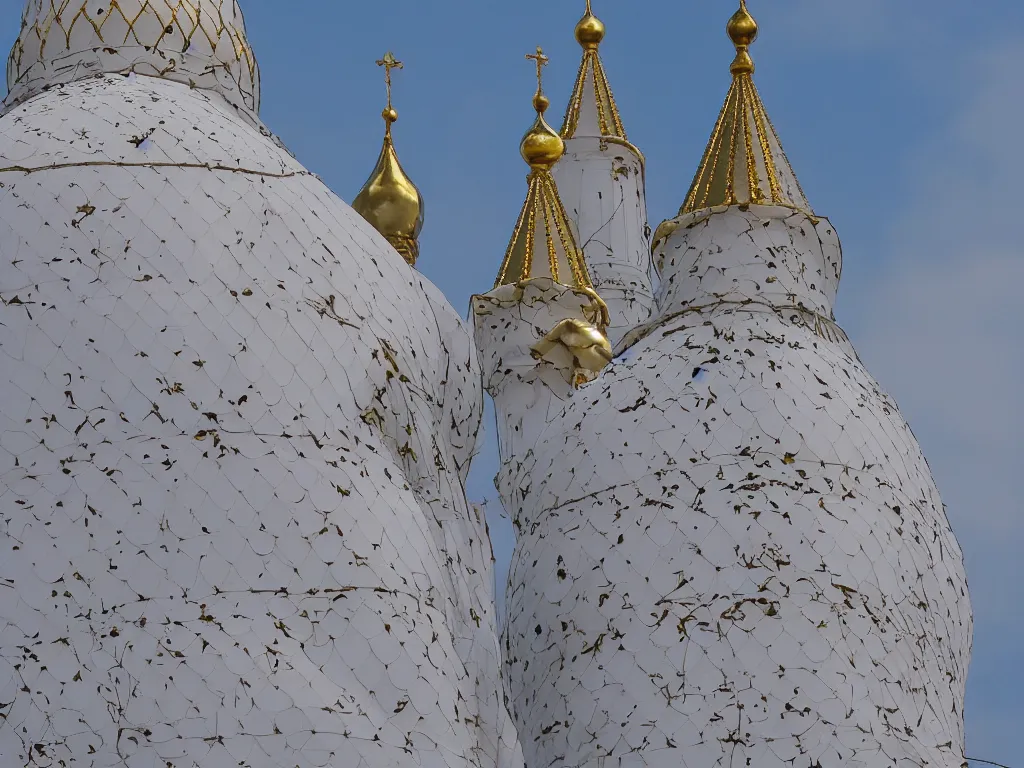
(114, 164)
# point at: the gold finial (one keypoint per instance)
(742, 29)
(590, 29)
(540, 101)
(389, 200)
(744, 163)
(541, 147)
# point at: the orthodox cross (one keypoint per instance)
(389, 62)
(542, 62)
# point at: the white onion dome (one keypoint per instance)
(279, 420)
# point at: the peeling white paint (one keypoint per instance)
(602, 186)
(731, 550)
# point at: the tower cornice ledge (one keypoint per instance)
(539, 341)
(513, 322)
(783, 256)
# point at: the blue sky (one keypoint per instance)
(901, 117)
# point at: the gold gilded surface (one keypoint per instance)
(590, 349)
(592, 84)
(389, 200)
(49, 25)
(585, 340)
(543, 243)
(744, 162)
(541, 147)
(742, 28)
(590, 29)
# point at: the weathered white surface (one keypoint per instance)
(601, 183)
(508, 322)
(200, 43)
(234, 432)
(791, 263)
(731, 550)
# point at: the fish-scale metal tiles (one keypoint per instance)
(234, 433)
(731, 550)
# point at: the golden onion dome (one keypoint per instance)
(590, 30)
(389, 200)
(742, 29)
(541, 147)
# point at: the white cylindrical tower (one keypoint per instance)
(601, 180)
(538, 340)
(731, 549)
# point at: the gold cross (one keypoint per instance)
(542, 61)
(389, 62)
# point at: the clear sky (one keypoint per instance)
(902, 118)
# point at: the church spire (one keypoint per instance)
(543, 243)
(389, 200)
(592, 110)
(744, 162)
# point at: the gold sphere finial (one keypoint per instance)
(541, 147)
(742, 29)
(590, 30)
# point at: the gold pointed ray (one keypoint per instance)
(592, 110)
(744, 163)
